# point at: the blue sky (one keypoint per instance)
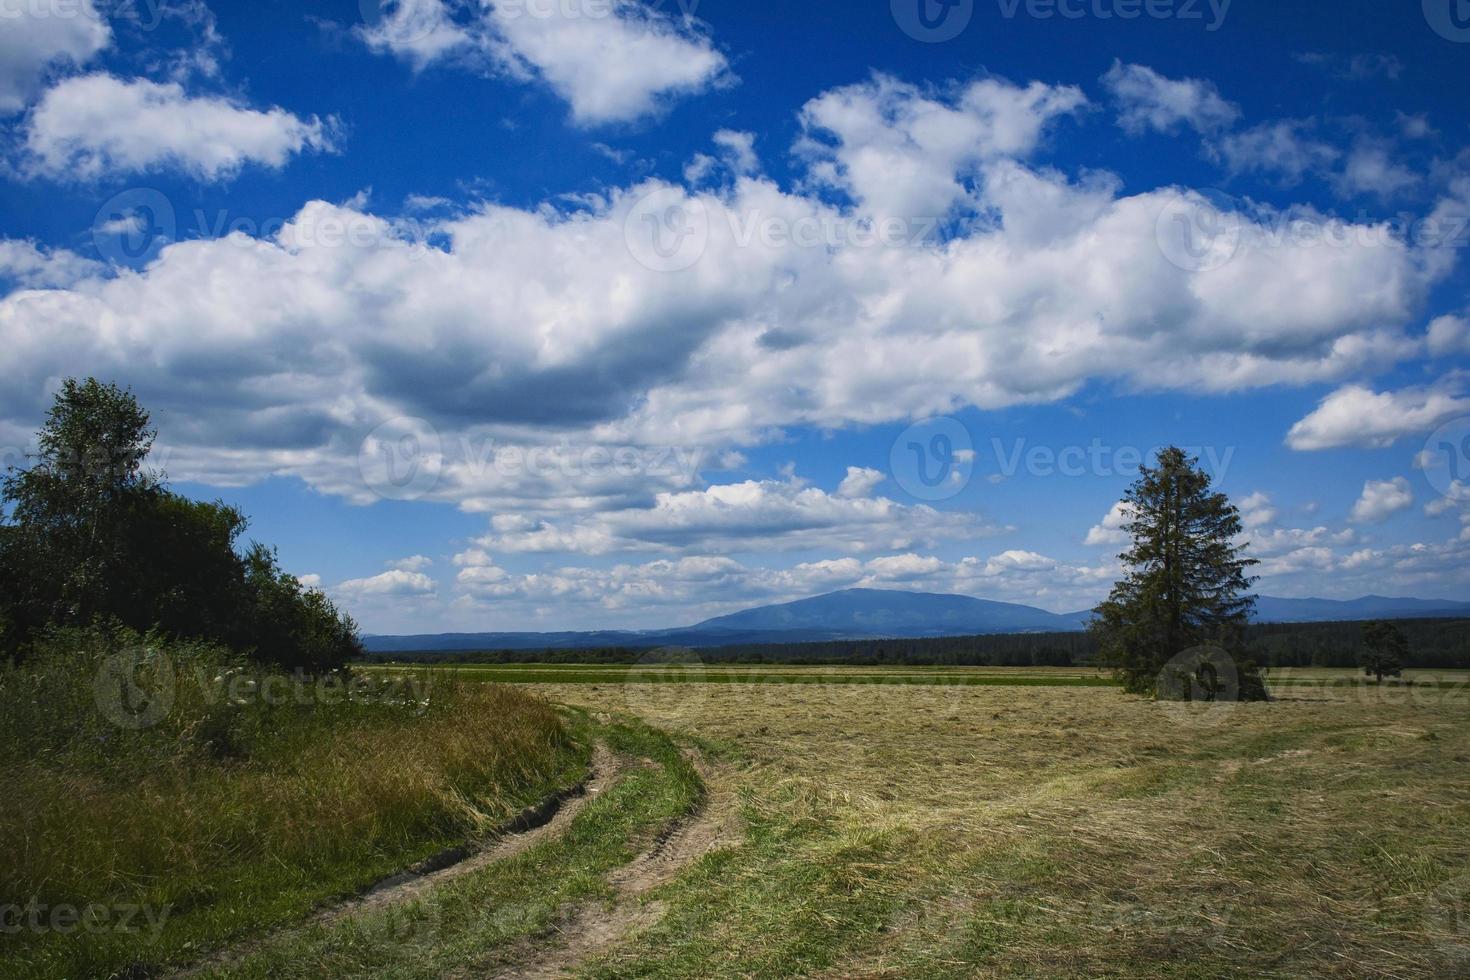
(550, 314)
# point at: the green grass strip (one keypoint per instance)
(475, 922)
(521, 675)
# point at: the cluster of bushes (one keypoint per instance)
(110, 700)
(90, 536)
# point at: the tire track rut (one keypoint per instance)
(526, 830)
(589, 930)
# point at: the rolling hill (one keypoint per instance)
(879, 612)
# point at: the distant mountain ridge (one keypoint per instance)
(883, 612)
(1270, 609)
(857, 614)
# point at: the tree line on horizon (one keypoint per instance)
(1439, 644)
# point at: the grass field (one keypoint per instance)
(696, 673)
(1324, 678)
(953, 830)
(842, 822)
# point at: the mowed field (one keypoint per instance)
(1324, 678)
(748, 674)
(985, 823)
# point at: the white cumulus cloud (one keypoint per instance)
(860, 481)
(31, 266)
(612, 61)
(1449, 335)
(1285, 148)
(98, 124)
(1355, 415)
(1148, 100)
(420, 32)
(394, 583)
(35, 37)
(902, 152)
(1382, 499)
(1110, 531)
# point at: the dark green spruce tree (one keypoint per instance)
(1185, 585)
(1384, 651)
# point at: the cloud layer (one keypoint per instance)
(788, 310)
(577, 370)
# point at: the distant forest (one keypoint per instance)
(1432, 643)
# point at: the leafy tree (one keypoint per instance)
(1384, 650)
(1185, 586)
(188, 576)
(68, 512)
(289, 624)
(93, 537)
